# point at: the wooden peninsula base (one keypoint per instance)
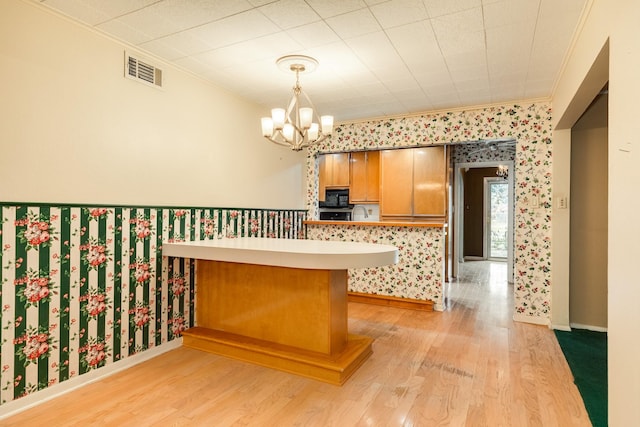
(290, 319)
(318, 367)
(280, 303)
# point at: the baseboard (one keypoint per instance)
(588, 327)
(15, 406)
(389, 301)
(561, 328)
(536, 320)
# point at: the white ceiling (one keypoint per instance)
(377, 57)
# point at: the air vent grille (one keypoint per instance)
(142, 71)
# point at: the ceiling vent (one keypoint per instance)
(142, 71)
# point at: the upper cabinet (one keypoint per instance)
(430, 181)
(413, 183)
(333, 172)
(396, 183)
(365, 177)
(409, 183)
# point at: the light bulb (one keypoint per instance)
(312, 133)
(306, 116)
(277, 114)
(267, 126)
(327, 124)
(287, 132)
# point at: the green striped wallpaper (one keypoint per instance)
(84, 286)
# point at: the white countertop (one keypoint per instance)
(294, 253)
(415, 224)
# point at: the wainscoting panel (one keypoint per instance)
(86, 286)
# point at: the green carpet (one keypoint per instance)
(586, 354)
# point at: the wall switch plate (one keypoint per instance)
(535, 202)
(561, 202)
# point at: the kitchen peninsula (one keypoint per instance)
(406, 190)
(417, 279)
(280, 303)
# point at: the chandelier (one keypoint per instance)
(503, 171)
(299, 125)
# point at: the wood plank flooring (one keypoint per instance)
(468, 366)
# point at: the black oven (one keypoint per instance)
(336, 199)
(343, 215)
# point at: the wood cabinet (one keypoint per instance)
(396, 183)
(430, 182)
(413, 183)
(364, 177)
(333, 172)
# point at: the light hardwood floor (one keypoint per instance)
(468, 366)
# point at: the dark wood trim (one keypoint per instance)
(389, 301)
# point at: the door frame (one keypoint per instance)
(486, 211)
(458, 211)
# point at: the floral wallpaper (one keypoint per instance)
(529, 125)
(84, 287)
(472, 153)
(419, 273)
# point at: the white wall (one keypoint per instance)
(74, 130)
(589, 234)
(560, 233)
(617, 22)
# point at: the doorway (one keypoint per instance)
(496, 213)
(460, 208)
(589, 190)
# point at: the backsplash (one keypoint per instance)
(84, 287)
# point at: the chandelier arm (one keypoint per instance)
(279, 139)
(292, 104)
(283, 143)
(318, 119)
(306, 97)
(306, 143)
(321, 138)
(295, 102)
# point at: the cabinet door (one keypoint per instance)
(358, 180)
(333, 172)
(373, 176)
(396, 183)
(430, 182)
(340, 170)
(365, 177)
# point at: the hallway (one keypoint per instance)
(483, 285)
(470, 365)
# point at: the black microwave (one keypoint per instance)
(336, 199)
